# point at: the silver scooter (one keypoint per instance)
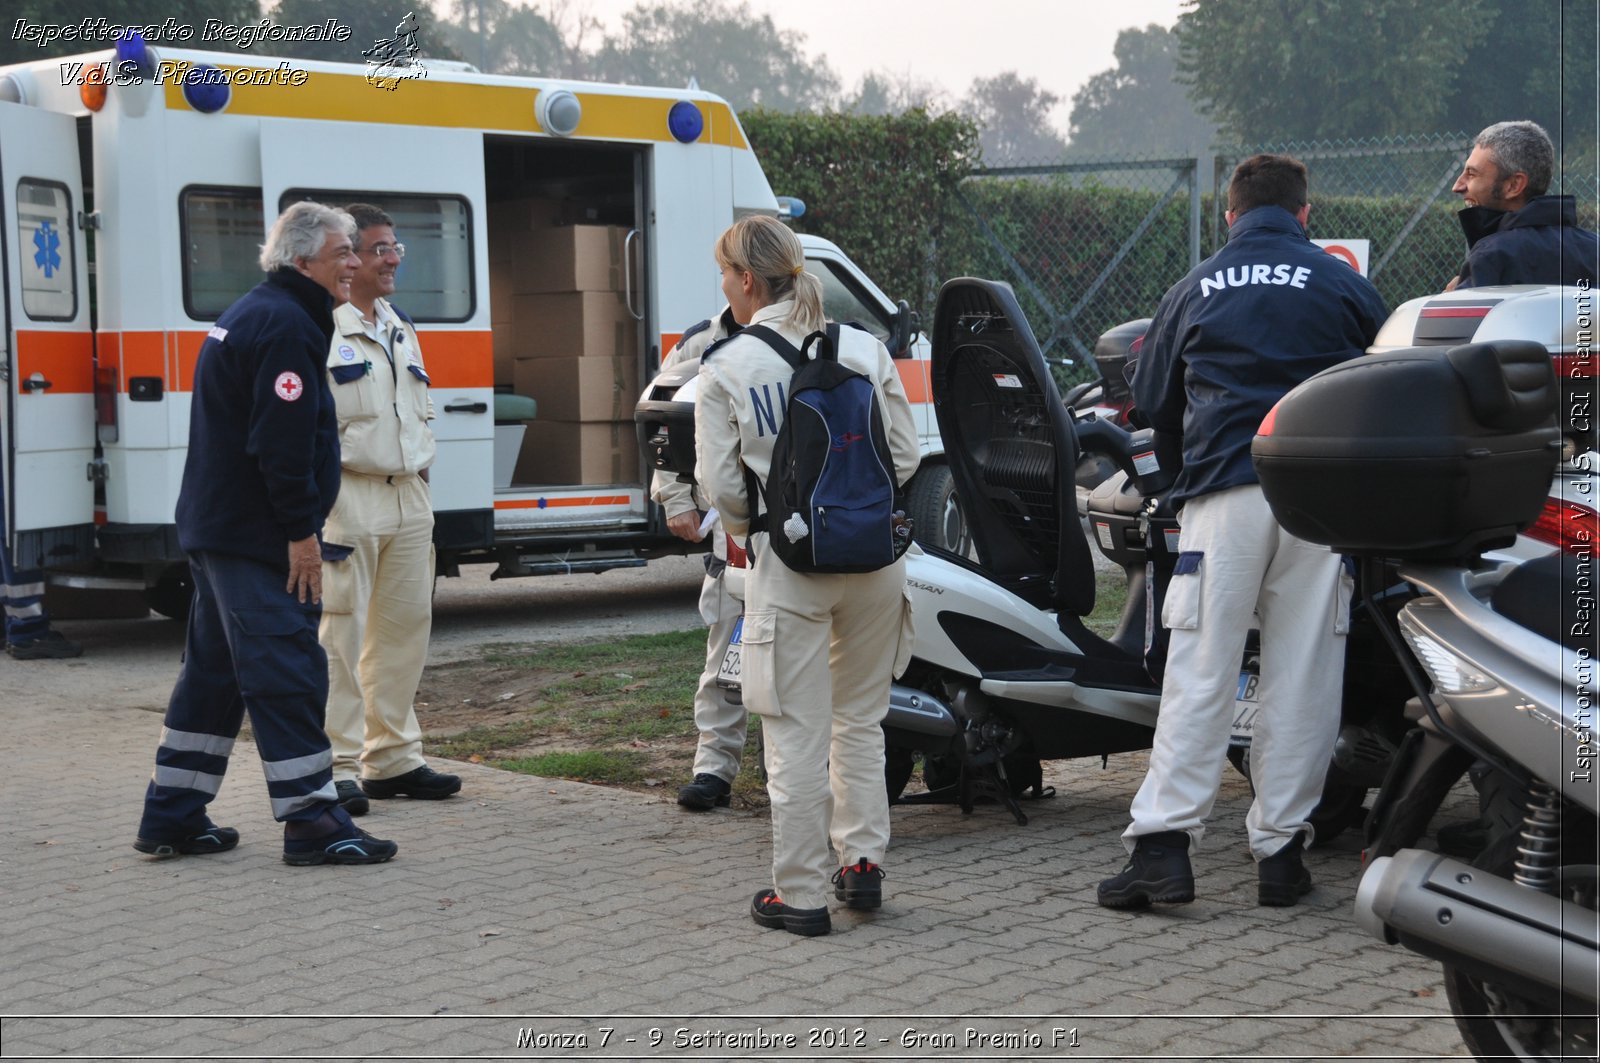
(1451, 453)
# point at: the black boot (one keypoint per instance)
(1158, 872)
(1283, 878)
(706, 792)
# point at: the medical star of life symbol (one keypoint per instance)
(48, 255)
(288, 386)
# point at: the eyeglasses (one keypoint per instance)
(385, 250)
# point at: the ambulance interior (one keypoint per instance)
(567, 307)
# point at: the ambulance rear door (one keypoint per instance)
(430, 180)
(47, 362)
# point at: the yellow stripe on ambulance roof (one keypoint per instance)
(454, 104)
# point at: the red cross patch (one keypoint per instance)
(288, 386)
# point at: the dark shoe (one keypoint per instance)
(1283, 878)
(203, 842)
(344, 845)
(773, 914)
(50, 646)
(351, 799)
(1466, 839)
(705, 793)
(422, 783)
(1158, 872)
(859, 885)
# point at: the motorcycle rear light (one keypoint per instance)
(1450, 674)
(1570, 526)
(1575, 366)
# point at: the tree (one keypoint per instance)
(1138, 106)
(15, 48)
(369, 21)
(1012, 114)
(1538, 68)
(724, 48)
(1317, 69)
(888, 94)
(500, 38)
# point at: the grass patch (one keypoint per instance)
(1110, 592)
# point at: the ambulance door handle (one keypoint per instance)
(464, 406)
(37, 382)
(627, 274)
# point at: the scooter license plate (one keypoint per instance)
(728, 674)
(1244, 708)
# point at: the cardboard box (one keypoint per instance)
(575, 324)
(580, 389)
(505, 351)
(511, 219)
(507, 446)
(571, 258)
(567, 453)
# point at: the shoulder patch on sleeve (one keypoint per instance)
(289, 386)
(691, 332)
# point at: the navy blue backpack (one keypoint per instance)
(831, 497)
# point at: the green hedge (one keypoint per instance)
(880, 186)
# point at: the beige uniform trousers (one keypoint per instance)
(377, 613)
(819, 654)
(722, 725)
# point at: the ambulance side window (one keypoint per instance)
(434, 282)
(46, 247)
(222, 230)
(842, 302)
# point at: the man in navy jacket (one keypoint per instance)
(261, 475)
(1228, 341)
(1515, 233)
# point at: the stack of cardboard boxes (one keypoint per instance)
(563, 336)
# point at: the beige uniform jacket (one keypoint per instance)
(384, 407)
(673, 495)
(738, 410)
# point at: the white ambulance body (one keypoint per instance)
(129, 227)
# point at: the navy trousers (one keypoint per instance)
(21, 589)
(251, 647)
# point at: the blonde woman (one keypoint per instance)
(819, 649)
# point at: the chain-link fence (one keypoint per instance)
(1089, 244)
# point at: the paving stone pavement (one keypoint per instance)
(528, 916)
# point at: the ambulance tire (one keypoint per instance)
(172, 593)
(935, 511)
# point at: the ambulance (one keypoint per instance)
(558, 241)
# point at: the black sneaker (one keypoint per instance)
(859, 885)
(1158, 872)
(209, 839)
(773, 914)
(1283, 879)
(51, 646)
(351, 799)
(345, 845)
(705, 793)
(422, 783)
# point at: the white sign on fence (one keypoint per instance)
(1355, 252)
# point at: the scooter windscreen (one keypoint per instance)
(1010, 444)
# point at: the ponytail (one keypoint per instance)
(767, 249)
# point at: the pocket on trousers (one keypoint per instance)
(278, 654)
(338, 585)
(902, 653)
(1181, 611)
(758, 678)
(1341, 601)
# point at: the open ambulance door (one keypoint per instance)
(46, 347)
(430, 180)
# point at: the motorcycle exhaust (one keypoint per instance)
(1467, 917)
(919, 712)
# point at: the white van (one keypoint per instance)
(559, 240)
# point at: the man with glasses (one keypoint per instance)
(377, 548)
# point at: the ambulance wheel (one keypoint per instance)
(172, 594)
(935, 511)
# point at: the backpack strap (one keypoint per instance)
(782, 347)
(826, 342)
